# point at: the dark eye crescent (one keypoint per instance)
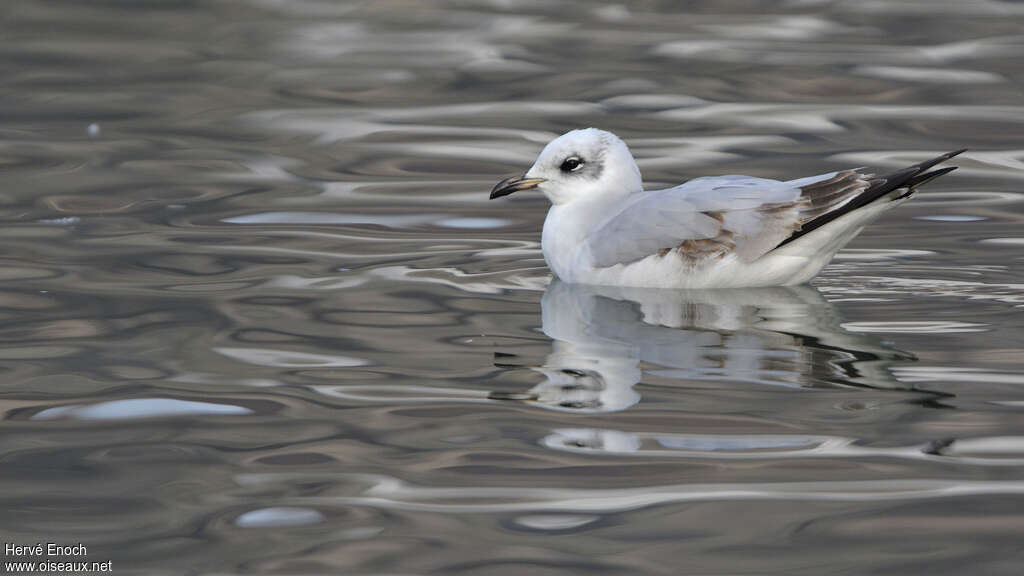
(571, 164)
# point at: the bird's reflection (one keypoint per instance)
(782, 336)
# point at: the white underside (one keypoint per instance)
(795, 263)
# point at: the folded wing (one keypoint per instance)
(710, 218)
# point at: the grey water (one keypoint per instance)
(258, 316)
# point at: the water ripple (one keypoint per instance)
(993, 451)
(392, 493)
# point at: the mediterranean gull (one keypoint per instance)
(714, 232)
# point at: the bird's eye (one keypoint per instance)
(571, 164)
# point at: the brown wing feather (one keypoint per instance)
(828, 195)
(776, 222)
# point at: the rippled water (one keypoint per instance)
(259, 316)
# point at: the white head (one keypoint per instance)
(578, 164)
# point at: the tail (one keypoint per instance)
(909, 178)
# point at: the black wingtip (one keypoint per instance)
(929, 163)
(929, 176)
(909, 178)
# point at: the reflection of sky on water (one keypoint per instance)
(139, 408)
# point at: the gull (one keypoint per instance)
(731, 231)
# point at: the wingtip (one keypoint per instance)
(929, 176)
(920, 168)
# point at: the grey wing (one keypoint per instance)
(709, 218)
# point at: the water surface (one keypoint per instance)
(260, 317)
